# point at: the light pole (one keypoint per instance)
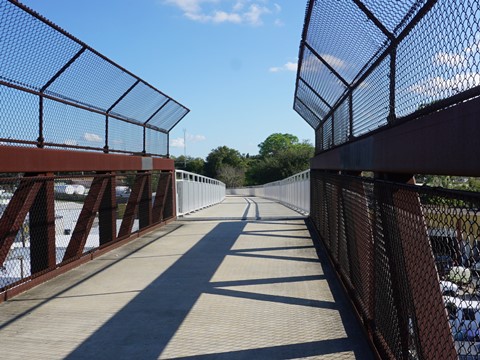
(185, 148)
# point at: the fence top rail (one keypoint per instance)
(182, 175)
(40, 58)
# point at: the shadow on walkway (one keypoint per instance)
(145, 327)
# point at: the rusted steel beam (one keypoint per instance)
(132, 205)
(422, 277)
(86, 218)
(15, 213)
(437, 144)
(107, 213)
(170, 202)
(24, 159)
(42, 229)
(145, 204)
(164, 182)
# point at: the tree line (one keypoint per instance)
(279, 156)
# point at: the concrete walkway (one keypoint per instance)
(199, 288)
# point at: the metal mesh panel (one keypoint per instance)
(310, 117)
(92, 81)
(313, 103)
(396, 60)
(359, 38)
(320, 78)
(19, 108)
(394, 15)
(156, 143)
(141, 93)
(341, 119)
(168, 116)
(327, 128)
(39, 59)
(371, 100)
(72, 127)
(124, 136)
(441, 56)
(27, 47)
(409, 256)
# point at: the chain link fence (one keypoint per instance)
(409, 257)
(367, 64)
(58, 92)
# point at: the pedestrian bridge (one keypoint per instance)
(239, 280)
(137, 259)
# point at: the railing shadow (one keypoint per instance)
(148, 323)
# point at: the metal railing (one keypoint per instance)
(392, 88)
(58, 207)
(293, 191)
(56, 91)
(195, 192)
(367, 64)
(53, 220)
(409, 257)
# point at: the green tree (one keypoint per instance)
(281, 156)
(276, 143)
(191, 164)
(231, 176)
(220, 157)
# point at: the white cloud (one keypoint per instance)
(289, 66)
(253, 15)
(449, 59)
(70, 142)
(334, 61)
(180, 141)
(279, 23)
(435, 86)
(215, 11)
(195, 138)
(177, 143)
(92, 137)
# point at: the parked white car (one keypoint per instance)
(448, 288)
(464, 319)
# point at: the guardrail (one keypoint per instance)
(293, 191)
(59, 209)
(195, 192)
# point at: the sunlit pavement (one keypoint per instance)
(198, 288)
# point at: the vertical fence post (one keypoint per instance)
(40, 139)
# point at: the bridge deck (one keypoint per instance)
(236, 289)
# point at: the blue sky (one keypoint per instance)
(232, 62)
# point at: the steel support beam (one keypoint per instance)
(412, 264)
(85, 221)
(15, 213)
(42, 228)
(24, 159)
(132, 205)
(440, 143)
(145, 204)
(164, 182)
(107, 213)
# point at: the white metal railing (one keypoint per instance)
(195, 191)
(293, 191)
